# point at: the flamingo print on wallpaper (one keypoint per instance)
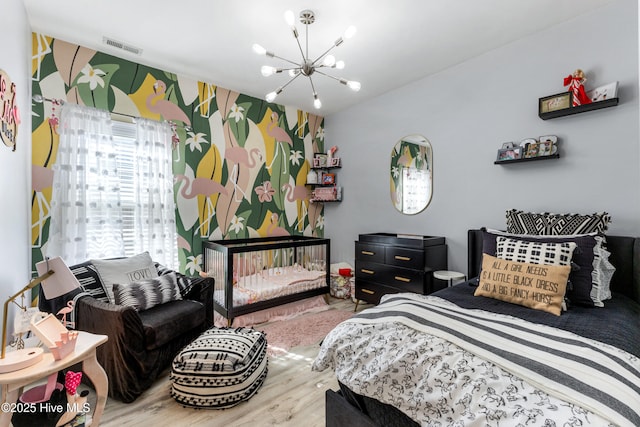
(200, 186)
(238, 156)
(281, 136)
(168, 110)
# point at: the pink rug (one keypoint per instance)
(306, 329)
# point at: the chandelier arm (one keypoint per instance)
(290, 80)
(313, 88)
(286, 60)
(343, 81)
(324, 54)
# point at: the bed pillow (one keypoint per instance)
(589, 282)
(537, 286)
(551, 253)
(519, 222)
(146, 294)
(124, 271)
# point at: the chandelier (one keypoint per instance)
(307, 66)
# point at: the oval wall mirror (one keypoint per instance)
(411, 174)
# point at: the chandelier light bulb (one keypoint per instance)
(294, 72)
(350, 32)
(271, 96)
(340, 65)
(316, 101)
(267, 70)
(353, 85)
(259, 49)
(289, 18)
(329, 60)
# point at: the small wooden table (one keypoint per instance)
(85, 352)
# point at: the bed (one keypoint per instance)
(455, 359)
(259, 273)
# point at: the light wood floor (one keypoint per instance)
(292, 395)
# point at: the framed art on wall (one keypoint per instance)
(559, 101)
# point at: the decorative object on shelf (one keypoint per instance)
(509, 153)
(319, 160)
(529, 149)
(335, 162)
(330, 154)
(559, 101)
(328, 178)
(576, 82)
(312, 177)
(9, 114)
(56, 280)
(326, 194)
(308, 65)
(602, 93)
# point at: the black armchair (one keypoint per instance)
(141, 344)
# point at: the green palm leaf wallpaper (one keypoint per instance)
(240, 163)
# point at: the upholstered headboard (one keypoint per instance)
(625, 257)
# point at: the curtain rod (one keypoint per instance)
(40, 99)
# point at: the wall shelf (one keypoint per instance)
(578, 109)
(527, 159)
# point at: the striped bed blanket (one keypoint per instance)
(439, 363)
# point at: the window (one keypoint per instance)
(113, 189)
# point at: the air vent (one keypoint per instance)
(122, 46)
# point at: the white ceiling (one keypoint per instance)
(398, 41)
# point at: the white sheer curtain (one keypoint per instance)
(85, 202)
(112, 195)
(155, 223)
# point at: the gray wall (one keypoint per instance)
(15, 167)
(469, 110)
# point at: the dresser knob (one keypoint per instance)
(402, 258)
(402, 279)
(367, 291)
(367, 271)
(367, 253)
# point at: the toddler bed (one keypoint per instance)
(260, 273)
(455, 359)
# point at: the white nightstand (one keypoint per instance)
(449, 276)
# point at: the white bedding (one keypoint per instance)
(272, 284)
(436, 382)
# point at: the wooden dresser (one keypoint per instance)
(388, 263)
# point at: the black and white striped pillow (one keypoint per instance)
(553, 224)
(559, 253)
(148, 293)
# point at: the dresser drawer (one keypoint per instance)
(369, 252)
(372, 292)
(406, 280)
(371, 271)
(404, 257)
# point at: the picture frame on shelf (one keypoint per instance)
(507, 145)
(559, 101)
(604, 92)
(335, 162)
(545, 148)
(533, 150)
(509, 154)
(328, 178)
(320, 160)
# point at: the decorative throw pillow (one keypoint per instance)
(519, 222)
(124, 271)
(184, 282)
(589, 282)
(559, 253)
(148, 293)
(89, 279)
(537, 286)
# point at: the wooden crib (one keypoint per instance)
(260, 273)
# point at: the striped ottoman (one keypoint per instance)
(220, 368)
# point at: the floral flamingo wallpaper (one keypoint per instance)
(240, 163)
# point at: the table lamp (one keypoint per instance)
(57, 280)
